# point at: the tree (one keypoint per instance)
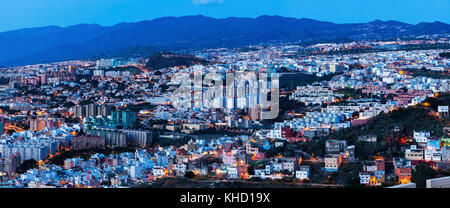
(348, 173)
(158, 73)
(421, 173)
(68, 104)
(286, 172)
(209, 159)
(189, 174)
(26, 165)
(251, 170)
(94, 83)
(364, 150)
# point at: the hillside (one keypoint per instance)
(165, 60)
(391, 127)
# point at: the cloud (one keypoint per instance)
(207, 2)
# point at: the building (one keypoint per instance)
(414, 153)
(314, 95)
(87, 142)
(90, 110)
(430, 154)
(12, 162)
(37, 124)
(70, 163)
(126, 118)
(113, 138)
(287, 133)
(333, 162)
(445, 155)
(373, 173)
(36, 149)
(303, 172)
(335, 146)
(138, 138)
(364, 178)
(403, 174)
(443, 111)
(368, 138)
(243, 171)
(2, 127)
(105, 63)
(442, 182)
(195, 127)
(232, 172)
(421, 137)
(445, 142)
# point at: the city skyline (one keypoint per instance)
(108, 13)
(224, 94)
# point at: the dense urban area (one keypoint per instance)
(356, 114)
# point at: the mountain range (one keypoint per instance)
(54, 43)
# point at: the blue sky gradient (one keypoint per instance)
(15, 14)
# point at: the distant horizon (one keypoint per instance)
(110, 12)
(193, 15)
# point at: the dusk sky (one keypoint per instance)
(15, 14)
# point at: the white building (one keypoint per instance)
(302, 173)
(421, 136)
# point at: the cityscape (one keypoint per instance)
(332, 106)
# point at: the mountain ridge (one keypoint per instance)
(81, 41)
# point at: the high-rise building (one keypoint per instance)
(90, 110)
(2, 127)
(126, 118)
(138, 138)
(87, 142)
(123, 137)
(12, 162)
(37, 124)
(30, 148)
(113, 138)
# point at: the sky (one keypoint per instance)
(16, 14)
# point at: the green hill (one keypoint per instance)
(165, 60)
